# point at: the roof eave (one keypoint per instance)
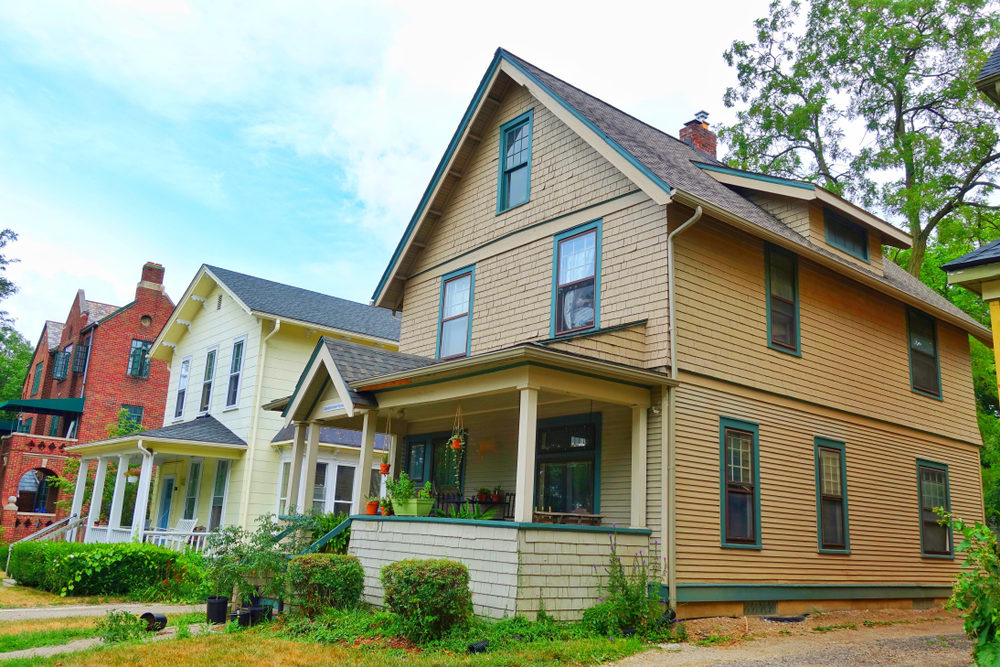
(323, 328)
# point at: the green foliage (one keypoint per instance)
(319, 524)
(874, 100)
(467, 510)
(401, 489)
(136, 570)
(321, 581)
(120, 626)
(429, 596)
(251, 561)
(124, 426)
(628, 601)
(15, 357)
(976, 592)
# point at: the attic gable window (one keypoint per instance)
(138, 358)
(925, 368)
(845, 235)
(515, 162)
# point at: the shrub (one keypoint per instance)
(430, 596)
(321, 581)
(976, 593)
(120, 626)
(71, 568)
(252, 561)
(627, 602)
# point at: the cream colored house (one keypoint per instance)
(711, 362)
(233, 343)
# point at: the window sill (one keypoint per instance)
(501, 211)
(937, 397)
(835, 552)
(731, 545)
(939, 556)
(785, 350)
(231, 408)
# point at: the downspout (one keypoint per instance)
(671, 412)
(254, 418)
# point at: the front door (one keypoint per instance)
(166, 497)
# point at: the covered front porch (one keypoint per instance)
(180, 506)
(564, 440)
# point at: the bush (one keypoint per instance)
(628, 602)
(430, 596)
(976, 593)
(71, 568)
(321, 581)
(249, 560)
(120, 626)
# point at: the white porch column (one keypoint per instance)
(97, 494)
(295, 469)
(78, 491)
(142, 497)
(115, 518)
(638, 507)
(363, 473)
(309, 476)
(527, 434)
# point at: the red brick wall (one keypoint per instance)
(20, 453)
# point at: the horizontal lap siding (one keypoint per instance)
(881, 483)
(854, 341)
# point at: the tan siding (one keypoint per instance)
(854, 344)
(817, 234)
(882, 494)
(792, 212)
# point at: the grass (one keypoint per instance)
(16, 597)
(714, 640)
(831, 628)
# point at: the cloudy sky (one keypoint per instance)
(290, 140)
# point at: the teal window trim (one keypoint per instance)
(60, 365)
(837, 219)
(54, 427)
(753, 428)
(138, 358)
(594, 418)
(769, 251)
(912, 313)
(561, 236)
(427, 440)
(820, 443)
(36, 382)
(458, 273)
(934, 465)
(527, 118)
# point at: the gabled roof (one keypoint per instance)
(986, 254)
(329, 435)
(53, 333)
(205, 428)
(99, 311)
(664, 168)
(992, 65)
(989, 77)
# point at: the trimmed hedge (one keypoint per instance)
(71, 568)
(320, 581)
(429, 596)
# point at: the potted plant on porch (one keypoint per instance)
(371, 505)
(497, 495)
(483, 495)
(383, 467)
(406, 499)
(386, 505)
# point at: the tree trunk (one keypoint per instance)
(917, 255)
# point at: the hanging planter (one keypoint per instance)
(383, 466)
(458, 432)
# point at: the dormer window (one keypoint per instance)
(515, 163)
(845, 235)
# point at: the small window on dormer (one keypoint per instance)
(845, 235)
(515, 163)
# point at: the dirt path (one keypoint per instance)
(26, 613)
(918, 642)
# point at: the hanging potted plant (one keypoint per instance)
(458, 432)
(371, 505)
(383, 467)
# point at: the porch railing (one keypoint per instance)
(54, 532)
(178, 540)
(107, 535)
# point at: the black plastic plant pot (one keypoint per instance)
(216, 607)
(243, 618)
(258, 614)
(479, 647)
(154, 622)
(628, 632)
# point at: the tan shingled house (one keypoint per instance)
(642, 339)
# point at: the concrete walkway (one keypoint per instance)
(83, 644)
(63, 611)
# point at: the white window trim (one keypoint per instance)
(225, 492)
(333, 459)
(239, 382)
(197, 489)
(211, 387)
(187, 390)
(281, 483)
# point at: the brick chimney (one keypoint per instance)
(152, 277)
(696, 134)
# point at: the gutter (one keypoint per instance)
(671, 468)
(254, 420)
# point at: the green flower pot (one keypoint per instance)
(413, 507)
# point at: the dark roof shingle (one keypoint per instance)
(205, 428)
(992, 65)
(282, 300)
(359, 362)
(53, 333)
(985, 254)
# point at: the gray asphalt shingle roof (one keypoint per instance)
(673, 161)
(333, 436)
(992, 65)
(986, 254)
(282, 300)
(201, 429)
(358, 362)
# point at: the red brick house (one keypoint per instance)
(84, 371)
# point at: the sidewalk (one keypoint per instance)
(61, 611)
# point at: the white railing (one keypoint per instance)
(178, 540)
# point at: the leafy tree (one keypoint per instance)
(15, 357)
(873, 99)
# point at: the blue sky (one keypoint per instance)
(288, 140)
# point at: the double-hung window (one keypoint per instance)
(567, 461)
(235, 368)
(782, 300)
(219, 493)
(80, 357)
(831, 496)
(206, 383)
(576, 290)
(455, 324)
(935, 539)
(925, 371)
(283, 486)
(39, 371)
(319, 488)
(740, 480)
(182, 385)
(515, 162)
(845, 235)
(193, 485)
(138, 358)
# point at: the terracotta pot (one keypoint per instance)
(496, 497)
(482, 497)
(383, 468)
(386, 511)
(371, 508)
